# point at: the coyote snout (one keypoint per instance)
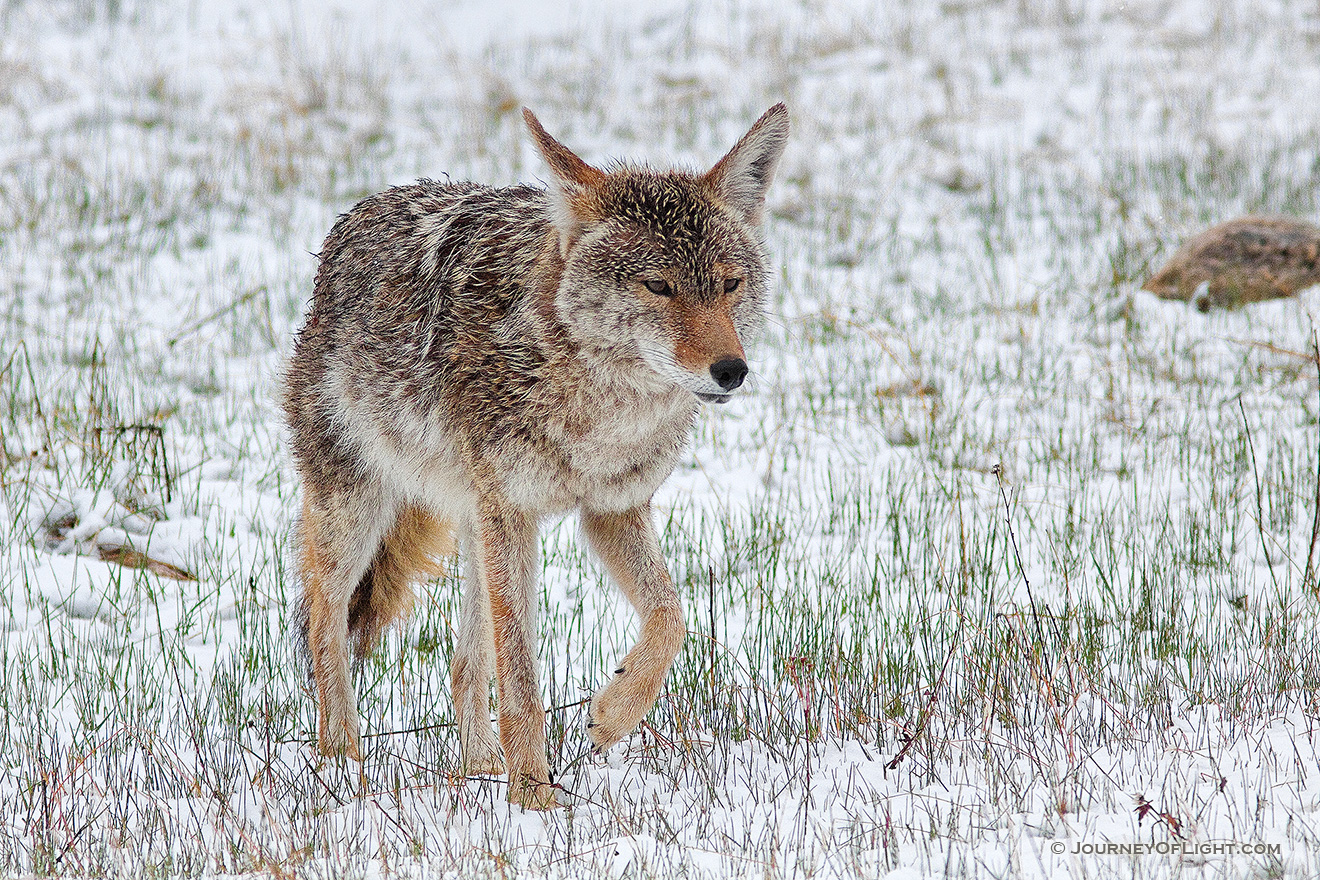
(476, 359)
(706, 357)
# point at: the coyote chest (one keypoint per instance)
(571, 442)
(572, 447)
(611, 453)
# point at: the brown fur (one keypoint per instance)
(410, 554)
(1242, 261)
(488, 357)
(701, 331)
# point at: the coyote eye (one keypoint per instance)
(731, 284)
(660, 288)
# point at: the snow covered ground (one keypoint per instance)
(1003, 562)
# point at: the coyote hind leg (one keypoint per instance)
(338, 537)
(472, 669)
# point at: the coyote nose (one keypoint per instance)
(729, 373)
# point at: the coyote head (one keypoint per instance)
(666, 265)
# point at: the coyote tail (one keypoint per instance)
(410, 552)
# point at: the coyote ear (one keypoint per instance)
(573, 185)
(741, 178)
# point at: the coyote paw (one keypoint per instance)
(530, 793)
(340, 739)
(615, 712)
(479, 747)
(482, 759)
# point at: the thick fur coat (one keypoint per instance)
(475, 359)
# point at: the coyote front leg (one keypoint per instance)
(508, 567)
(627, 544)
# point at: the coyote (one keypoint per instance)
(475, 359)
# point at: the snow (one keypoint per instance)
(966, 422)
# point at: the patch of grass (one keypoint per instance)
(997, 546)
